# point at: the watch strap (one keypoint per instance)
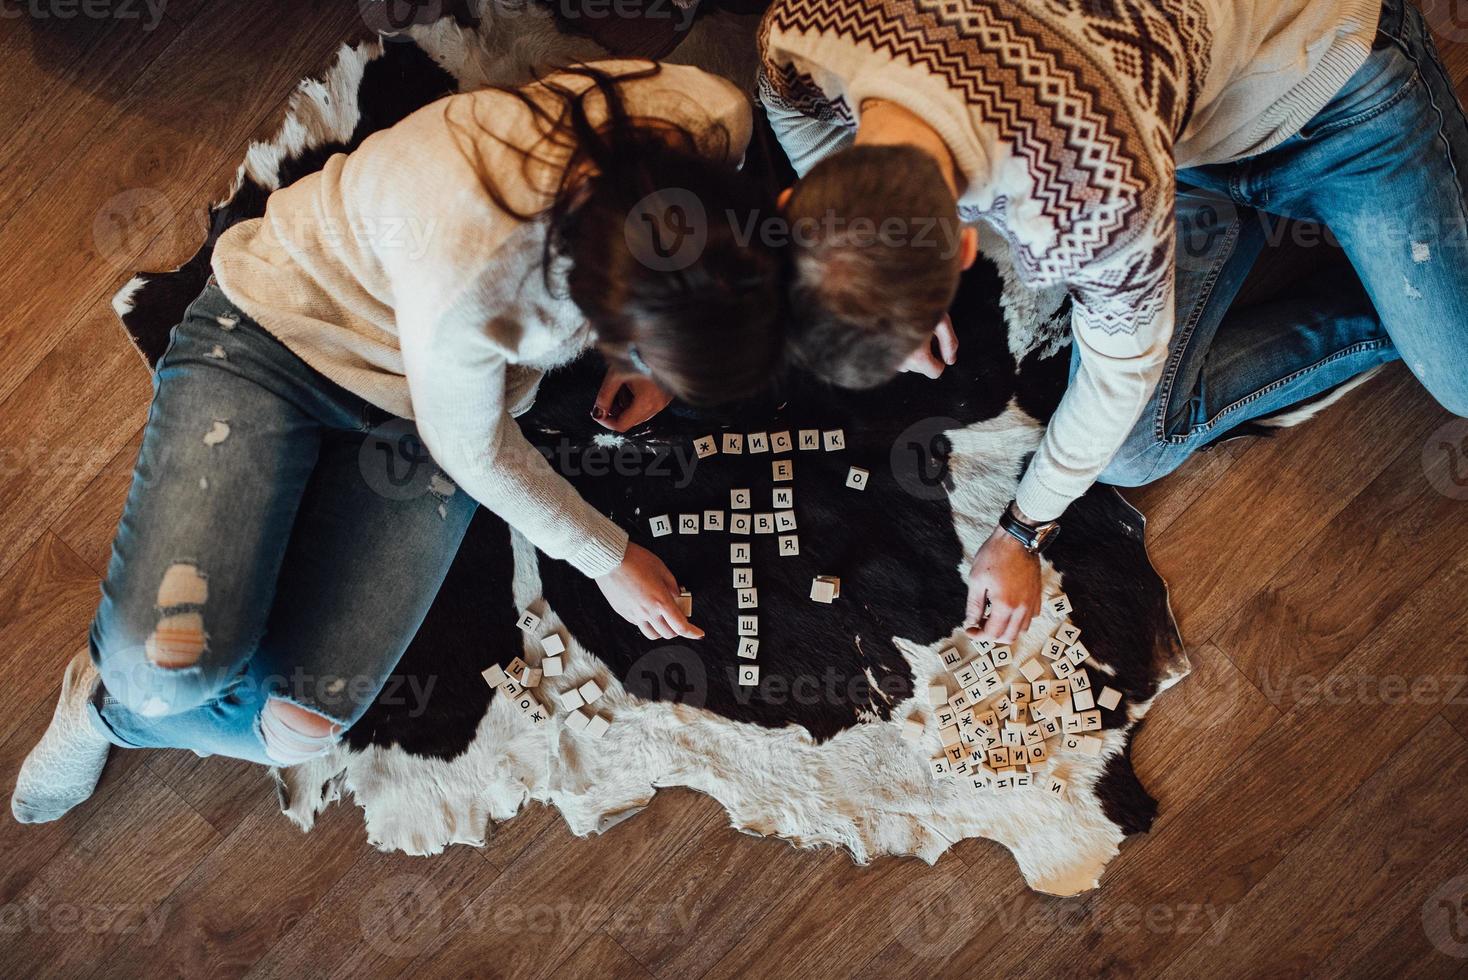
(1033, 538)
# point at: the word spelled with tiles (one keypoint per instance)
(1003, 723)
(519, 681)
(742, 520)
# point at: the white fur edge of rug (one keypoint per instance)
(866, 790)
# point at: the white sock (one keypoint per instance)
(63, 769)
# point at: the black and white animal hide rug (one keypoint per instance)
(815, 752)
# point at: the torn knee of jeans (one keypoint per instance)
(293, 734)
(183, 585)
(178, 639)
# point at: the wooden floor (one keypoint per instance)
(1313, 773)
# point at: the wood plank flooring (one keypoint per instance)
(1312, 774)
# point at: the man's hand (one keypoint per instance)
(625, 401)
(644, 592)
(924, 361)
(1008, 577)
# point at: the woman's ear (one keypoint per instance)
(968, 246)
(784, 198)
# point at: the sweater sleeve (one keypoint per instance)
(462, 323)
(457, 378)
(1122, 320)
(806, 140)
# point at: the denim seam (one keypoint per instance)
(95, 713)
(1375, 111)
(1431, 49)
(1207, 427)
(1174, 362)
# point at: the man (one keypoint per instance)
(1129, 150)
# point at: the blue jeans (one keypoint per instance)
(281, 543)
(1383, 167)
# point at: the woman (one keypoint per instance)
(268, 572)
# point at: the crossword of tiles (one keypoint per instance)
(996, 733)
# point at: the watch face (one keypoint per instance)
(1044, 534)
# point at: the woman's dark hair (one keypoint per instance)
(658, 237)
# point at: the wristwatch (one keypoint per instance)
(1035, 537)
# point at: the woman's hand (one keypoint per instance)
(644, 593)
(924, 361)
(1008, 577)
(628, 400)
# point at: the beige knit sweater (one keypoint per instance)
(392, 272)
(1068, 121)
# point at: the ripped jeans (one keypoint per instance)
(281, 543)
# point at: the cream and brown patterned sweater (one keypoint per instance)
(1068, 120)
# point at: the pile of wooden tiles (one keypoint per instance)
(1000, 735)
(520, 682)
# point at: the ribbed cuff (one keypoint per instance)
(1037, 501)
(603, 549)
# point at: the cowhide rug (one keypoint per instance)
(815, 753)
